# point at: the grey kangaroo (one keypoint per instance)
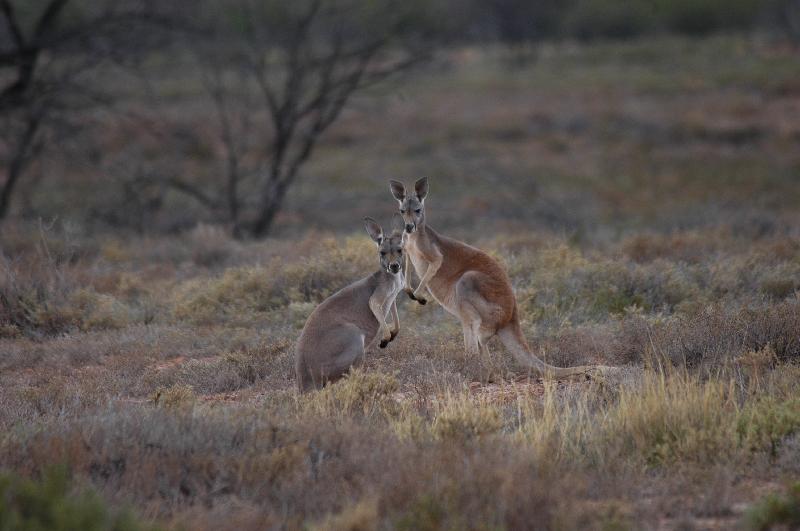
(335, 334)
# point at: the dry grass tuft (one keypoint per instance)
(361, 516)
(461, 418)
(358, 392)
(179, 395)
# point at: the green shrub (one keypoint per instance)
(425, 513)
(50, 504)
(776, 511)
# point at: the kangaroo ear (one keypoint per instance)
(374, 230)
(421, 187)
(398, 224)
(398, 190)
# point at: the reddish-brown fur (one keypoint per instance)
(468, 283)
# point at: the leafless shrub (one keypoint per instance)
(47, 54)
(716, 335)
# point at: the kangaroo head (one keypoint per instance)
(412, 204)
(390, 247)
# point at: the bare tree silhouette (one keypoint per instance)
(284, 73)
(46, 51)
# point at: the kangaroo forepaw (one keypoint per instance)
(414, 297)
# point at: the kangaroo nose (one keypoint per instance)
(395, 267)
(409, 227)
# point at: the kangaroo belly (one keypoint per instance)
(443, 292)
(419, 263)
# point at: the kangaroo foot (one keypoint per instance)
(384, 342)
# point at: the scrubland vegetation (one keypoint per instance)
(644, 199)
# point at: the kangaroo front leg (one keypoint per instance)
(395, 322)
(407, 275)
(407, 279)
(433, 267)
(383, 335)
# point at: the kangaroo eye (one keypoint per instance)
(402, 210)
(400, 252)
(417, 211)
(383, 253)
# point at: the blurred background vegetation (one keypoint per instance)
(132, 116)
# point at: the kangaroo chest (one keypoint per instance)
(391, 292)
(418, 259)
(438, 288)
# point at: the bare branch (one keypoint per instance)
(22, 156)
(13, 25)
(48, 18)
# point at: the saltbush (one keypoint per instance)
(51, 504)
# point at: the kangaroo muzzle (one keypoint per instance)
(410, 227)
(394, 268)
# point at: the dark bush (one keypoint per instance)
(608, 19)
(691, 17)
(50, 504)
(776, 511)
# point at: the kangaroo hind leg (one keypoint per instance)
(346, 350)
(471, 325)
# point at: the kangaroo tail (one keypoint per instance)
(514, 340)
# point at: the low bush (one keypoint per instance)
(609, 19)
(775, 511)
(241, 295)
(51, 503)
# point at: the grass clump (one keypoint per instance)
(460, 418)
(178, 395)
(765, 423)
(359, 392)
(51, 504)
(361, 516)
(674, 418)
(662, 420)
